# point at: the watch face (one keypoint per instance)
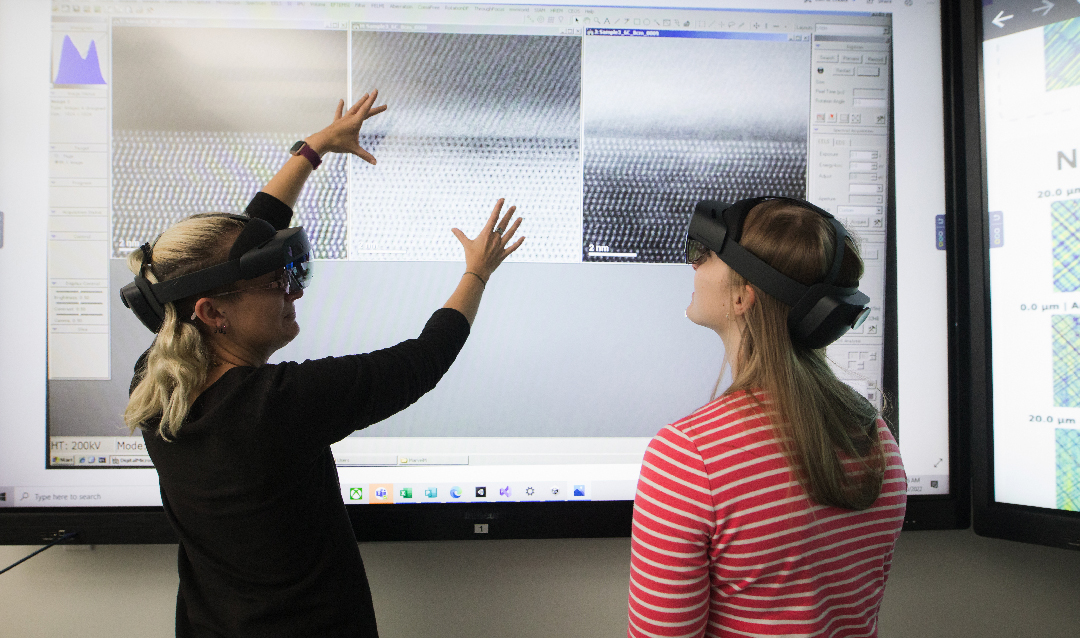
(296, 147)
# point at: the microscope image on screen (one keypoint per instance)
(202, 118)
(472, 118)
(670, 121)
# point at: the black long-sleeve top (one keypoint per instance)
(250, 485)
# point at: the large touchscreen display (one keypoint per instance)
(1032, 96)
(604, 125)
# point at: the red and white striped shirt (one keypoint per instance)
(727, 543)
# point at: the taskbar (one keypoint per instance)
(476, 491)
(488, 492)
(148, 495)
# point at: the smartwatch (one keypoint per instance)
(302, 148)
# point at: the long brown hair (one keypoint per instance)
(823, 423)
(178, 362)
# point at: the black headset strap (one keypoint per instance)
(164, 292)
(840, 233)
(196, 282)
(761, 274)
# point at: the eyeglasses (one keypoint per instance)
(696, 252)
(285, 281)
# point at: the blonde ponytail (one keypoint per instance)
(179, 360)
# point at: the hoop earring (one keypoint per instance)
(222, 329)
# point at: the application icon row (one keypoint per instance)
(140, 460)
(386, 493)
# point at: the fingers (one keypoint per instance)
(506, 218)
(366, 102)
(490, 225)
(510, 233)
(488, 250)
(515, 246)
(364, 155)
(356, 105)
(363, 105)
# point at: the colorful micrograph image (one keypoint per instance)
(1065, 235)
(1061, 46)
(1067, 457)
(1066, 346)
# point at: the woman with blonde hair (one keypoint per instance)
(241, 447)
(773, 509)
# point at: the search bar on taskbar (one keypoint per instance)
(80, 496)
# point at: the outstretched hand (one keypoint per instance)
(484, 254)
(343, 134)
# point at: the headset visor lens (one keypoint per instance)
(299, 272)
(695, 251)
(860, 318)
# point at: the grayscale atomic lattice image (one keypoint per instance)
(672, 121)
(161, 177)
(471, 118)
(203, 118)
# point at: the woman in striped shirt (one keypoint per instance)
(774, 509)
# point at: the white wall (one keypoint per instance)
(948, 584)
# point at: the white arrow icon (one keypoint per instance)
(999, 21)
(1045, 8)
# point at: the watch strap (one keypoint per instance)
(302, 148)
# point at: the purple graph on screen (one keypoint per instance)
(74, 68)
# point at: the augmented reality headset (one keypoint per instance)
(821, 313)
(258, 249)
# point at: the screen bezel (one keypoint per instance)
(129, 525)
(1037, 525)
